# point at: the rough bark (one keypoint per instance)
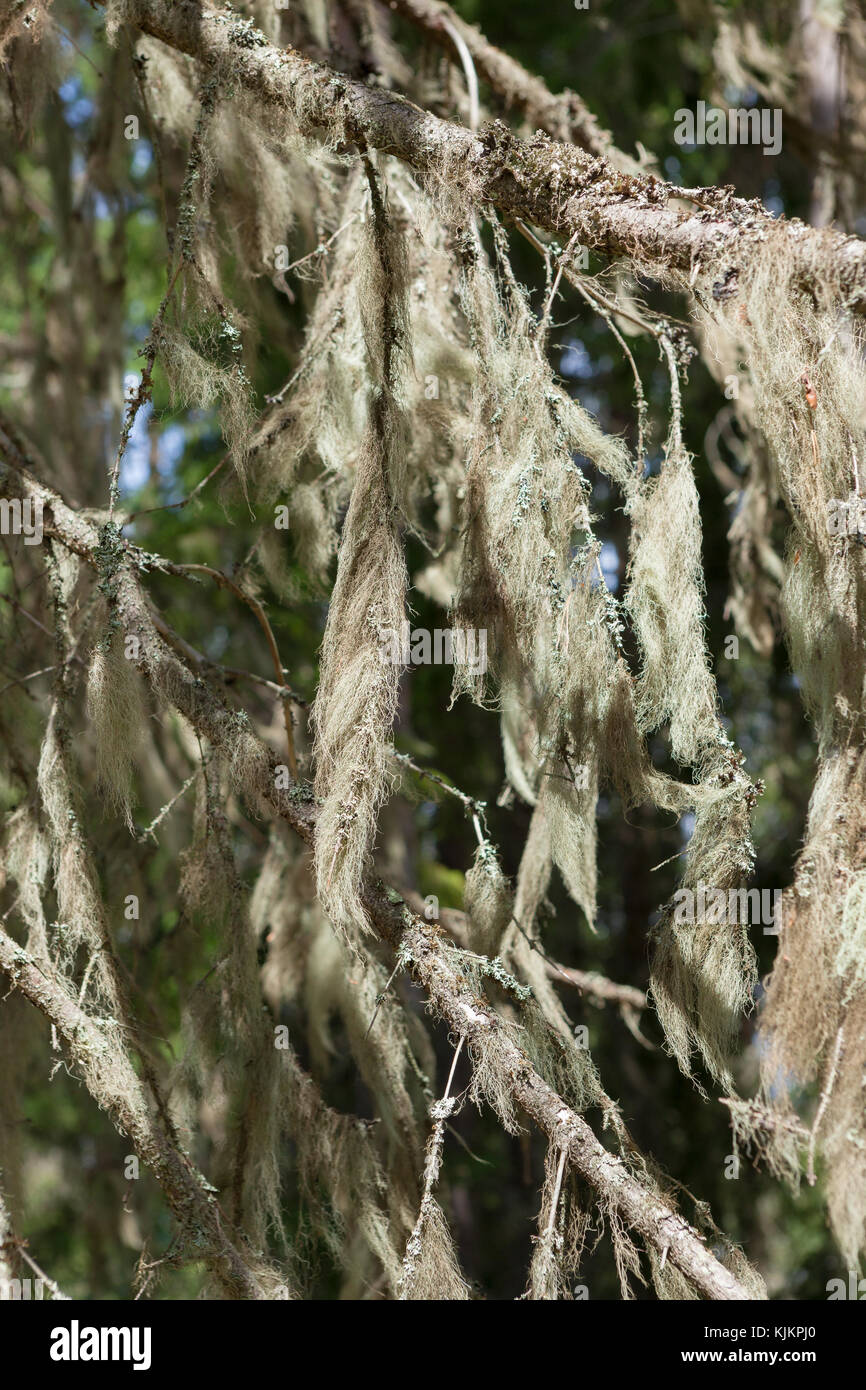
(567, 192)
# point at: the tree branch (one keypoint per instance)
(564, 190)
(599, 987)
(565, 115)
(96, 1046)
(421, 945)
(640, 1208)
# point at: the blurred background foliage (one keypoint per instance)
(81, 276)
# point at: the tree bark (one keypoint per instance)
(564, 190)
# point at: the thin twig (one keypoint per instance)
(161, 815)
(472, 806)
(822, 1105)
(468, 68)
(142, 391)
(20, 1246)
(22, 680)
(545, 314)
(185, 501)
(254, 605)
(554, 1201)
(599, 986)
(323, 248)
(606, 309)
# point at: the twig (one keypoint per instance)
(440, 1112)
(822, 1105)
(161, 815)
(554, 1201)
(472, 806)
(545, 314)
(226, 673)
(606, 309)
(254, 605)
(468, 67)
(142, 391)
(184, 502)
(598, 986)
(54, 1289)
(22, 680)
(321, 250)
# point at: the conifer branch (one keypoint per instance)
(420, 945)
(560, 188)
